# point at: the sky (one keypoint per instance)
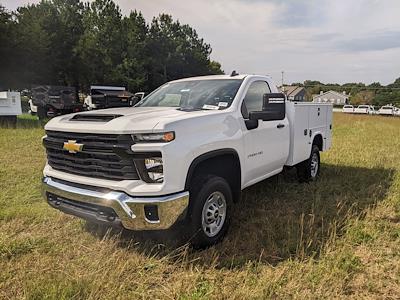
(330, 41)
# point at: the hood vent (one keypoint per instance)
(94, 118)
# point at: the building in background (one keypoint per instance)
(332, 97)
(294, 93)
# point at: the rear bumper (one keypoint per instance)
(113, 207)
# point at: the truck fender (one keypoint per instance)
(232, 172)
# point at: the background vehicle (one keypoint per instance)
(364, 109)
(54, 100)
(137, 97)
(348, 109)
(387, 110)
(372, 110)
(10, 107)
(397, 112)
(32, 108)
(107, 97)
(182, 154)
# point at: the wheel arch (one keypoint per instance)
(318, 141)
(222, 162)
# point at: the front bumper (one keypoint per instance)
(113, 207)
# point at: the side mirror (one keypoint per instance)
(273, 100)
(273, 108)
(135, 99)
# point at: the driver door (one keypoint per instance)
(266, 144)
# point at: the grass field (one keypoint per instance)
(336, 238)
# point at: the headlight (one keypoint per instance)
(162, 137)
(150, 167)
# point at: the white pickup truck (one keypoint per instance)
(182, 155)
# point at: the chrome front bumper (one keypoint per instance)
(133, 213)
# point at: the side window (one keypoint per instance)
(253, 101)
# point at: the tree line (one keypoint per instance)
(360, 93)
(70, 42)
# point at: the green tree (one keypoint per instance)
(101, 45)
(363, 97)
(33, 47)
(6, 46)
(176, 51)
(69, 42)
(133, 69)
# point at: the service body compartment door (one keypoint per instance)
(298, 115)
(329, 126)
(306, 121)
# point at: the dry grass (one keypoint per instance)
(336, 238)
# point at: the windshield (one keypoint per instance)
(211, 94)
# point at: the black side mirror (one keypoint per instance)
(135, 99)
(273, 100)
(273, 108)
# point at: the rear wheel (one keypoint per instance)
(308, 170)
(209, 210)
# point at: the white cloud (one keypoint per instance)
(332, 41)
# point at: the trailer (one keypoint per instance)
(10, 107)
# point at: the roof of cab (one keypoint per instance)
(215, 77)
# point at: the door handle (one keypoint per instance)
(280, 126)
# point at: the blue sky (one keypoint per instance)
(331, 41)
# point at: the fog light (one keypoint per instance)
(151, 213)
(154, 168)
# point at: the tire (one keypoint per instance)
(308, 170)
(209, 212)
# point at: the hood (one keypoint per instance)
(120, 120)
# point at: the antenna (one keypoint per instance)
(234, 73)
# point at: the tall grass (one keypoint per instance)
(336, 238)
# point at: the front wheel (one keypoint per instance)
(308, 170)
(209, 211)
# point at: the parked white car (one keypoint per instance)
(182, 154)
(387, 110)
(397, 112)
(348, 109)
(364, 109)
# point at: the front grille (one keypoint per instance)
(105, 156)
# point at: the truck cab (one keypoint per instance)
(182, 154)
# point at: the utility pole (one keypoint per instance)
(283, 88)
